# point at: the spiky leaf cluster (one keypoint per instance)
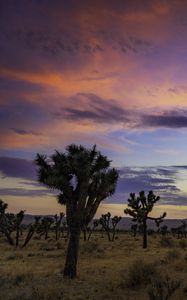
(83, 177)
(139, 207)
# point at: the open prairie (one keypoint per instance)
(106, 270)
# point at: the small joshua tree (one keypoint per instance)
(32, 229)
(58, 222)
(140, 208)
(95, 225)
(10, 222)
(5, 224)
(157, 223)
(18, 221)
(105, 221)
(44, 226)
(83, 178)
(134, 228)
(115, 221)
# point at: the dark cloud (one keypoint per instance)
(25, 132)
(17, 167)
(162, 180)
(181, 167)
(136, 179)
(98, 110)
(173, 199)
(168, 120)
(24, 192)
(52, 33)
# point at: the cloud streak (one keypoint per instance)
(97, 109)
(162, 180)
(16, 167)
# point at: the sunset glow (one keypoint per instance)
(110, 73)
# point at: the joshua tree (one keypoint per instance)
(58, 221)
(105, 221)
(134, 228)
(18, 220)
(32, 229)
(65, 231)
(157, 223)
(84, 230)
(164, 229)
(44, 226)
(95, 224)
(139, 209)
(115, 221)
(4, 222)
(180, 230)
(83, 178)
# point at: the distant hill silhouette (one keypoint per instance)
(125, 222)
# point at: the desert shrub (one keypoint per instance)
(3, 280)
(31, 254)
(140, 273)
(21, 278)
(163, 288)
(183, 244)
(166, 241)
(47, 295)
(172, 255)
(59, 245)
(91, 247)
(14, 256)
(185, 290)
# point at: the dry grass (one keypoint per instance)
(106, 270)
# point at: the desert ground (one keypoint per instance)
(121, 269)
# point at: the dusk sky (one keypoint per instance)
(111, 73)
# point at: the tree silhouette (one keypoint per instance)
(94, 226)
(58, 222)
(84, 178)
(44, 226)
(139, 209)
(134, 228)
(18, 220)
(5, 223)
(106, 220)
(32, 229)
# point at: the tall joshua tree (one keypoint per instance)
(83, 178)
(4, 222)
(139, 209)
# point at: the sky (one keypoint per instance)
(110, 73)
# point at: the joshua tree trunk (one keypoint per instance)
(28, 237)
(90, 233)
(108, 234)
(84, 233)
(113, 233)
(17, 235)
(4, 225)
(145, 233)
(7, 234)
(70, 269)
